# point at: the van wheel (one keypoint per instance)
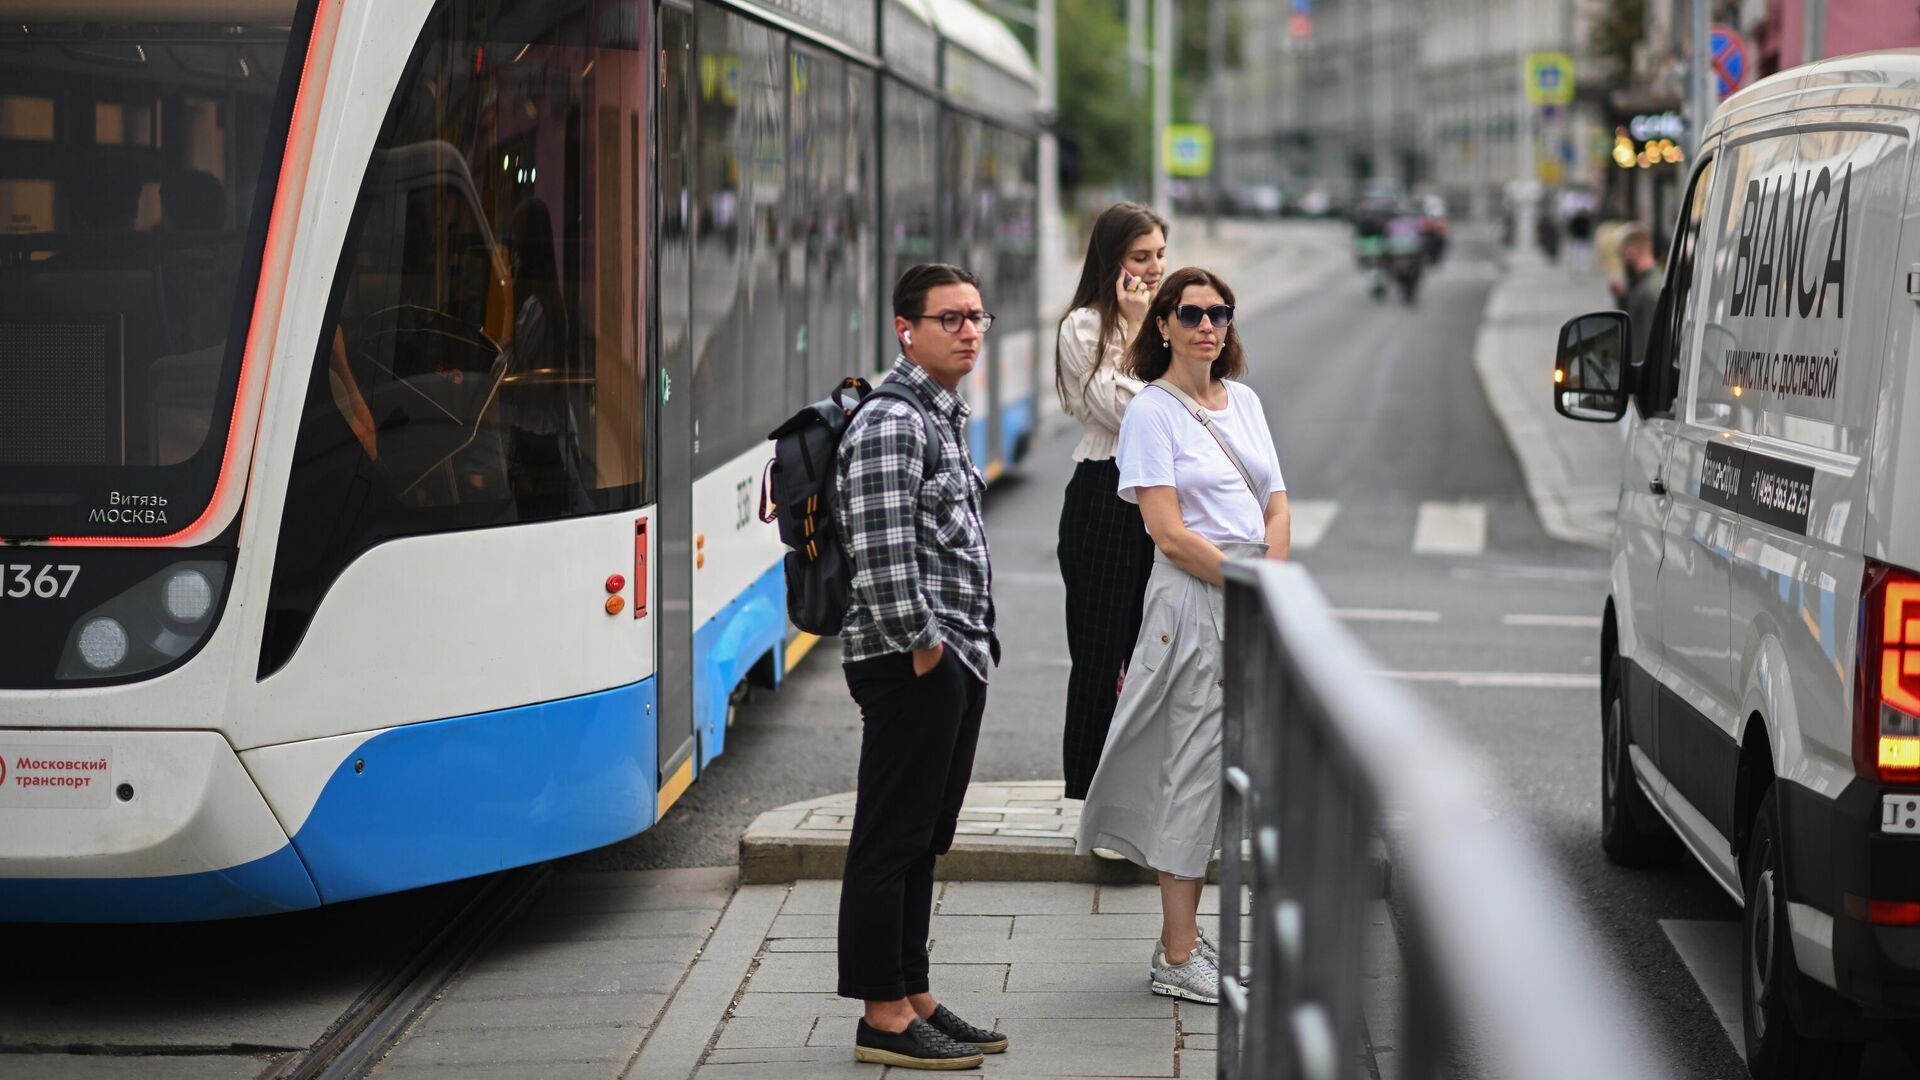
(1776, 1050)
(1631, 830)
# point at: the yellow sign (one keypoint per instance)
(1550, 78)
(1187, 149)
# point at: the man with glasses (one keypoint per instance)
(917, 643)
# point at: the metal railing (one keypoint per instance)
(1316, 748)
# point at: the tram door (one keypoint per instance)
(673, 280)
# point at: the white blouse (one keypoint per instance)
(1100, 404)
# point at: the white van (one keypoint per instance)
(1761, 640)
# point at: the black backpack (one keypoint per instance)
(797, 493)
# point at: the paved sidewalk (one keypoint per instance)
(573, 987)
(1572, 469)
(1060, 967)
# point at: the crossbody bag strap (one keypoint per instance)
(1195, 410)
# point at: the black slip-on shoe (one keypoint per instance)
(921, 1046)
(987, 1042)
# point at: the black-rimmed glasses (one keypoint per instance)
(1221, 315)
(950, 320)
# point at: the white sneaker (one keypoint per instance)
(1108, 853)
(1205, 947)
(1196, 980)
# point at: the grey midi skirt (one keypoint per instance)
(1156, 795)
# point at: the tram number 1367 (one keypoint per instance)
(23, 580)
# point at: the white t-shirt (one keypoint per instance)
(1162, 445)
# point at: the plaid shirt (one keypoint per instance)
(921, 573)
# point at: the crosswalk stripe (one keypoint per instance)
(1450, 529)
(1500, 680)
(1396, 615)
(1569, 622)
(1311, 520)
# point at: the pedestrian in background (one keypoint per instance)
(1642, 293)
(1195, 453)
(917, 642)
(1105, 553)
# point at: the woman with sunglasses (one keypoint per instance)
(1104, 551)
(1196, 455)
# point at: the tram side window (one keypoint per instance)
(482, 359)
(861, 206)
(723, 154)
(815, 266)
(910, 209)
(839, 194)
(1014, 238)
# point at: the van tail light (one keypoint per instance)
(1886, 728)
(1882, 912)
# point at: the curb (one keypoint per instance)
(775, 849)
(1572, 508)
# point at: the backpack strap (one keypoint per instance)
(935, 447)
(1194, 409)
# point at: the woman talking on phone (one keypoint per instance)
(1196, 455)
(1105, 553)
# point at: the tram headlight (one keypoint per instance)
(187, 596)
(157, 621)
(103, 644)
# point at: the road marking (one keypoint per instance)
(1450, 529)
(1711, 950)
(1311, 518)
(1399, 615)
(1571, 622)
(1499, 680)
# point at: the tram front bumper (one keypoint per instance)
(137, 826)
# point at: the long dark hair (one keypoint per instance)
(1114, 231)
(1151, 355)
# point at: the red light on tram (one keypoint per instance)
(615, 583)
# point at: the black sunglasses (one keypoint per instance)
(1189, 315)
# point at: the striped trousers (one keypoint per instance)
(1106, 557)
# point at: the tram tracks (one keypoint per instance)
(375, 1021)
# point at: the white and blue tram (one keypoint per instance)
(383, 395)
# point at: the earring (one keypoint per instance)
(1165, 344)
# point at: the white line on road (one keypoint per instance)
(1450, 529)
(1311, 519)
(1571, 622)
(1499, 680)
(1711, 950)
(1400, 615)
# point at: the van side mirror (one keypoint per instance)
(1590, 370)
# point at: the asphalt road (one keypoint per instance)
(1377, 411)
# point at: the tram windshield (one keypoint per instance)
(139, 144)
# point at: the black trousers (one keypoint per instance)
(1106, 557)
(916, 755)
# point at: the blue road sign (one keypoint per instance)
(1728, 52)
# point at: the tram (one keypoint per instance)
(384, 388)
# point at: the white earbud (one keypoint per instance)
(906, 336)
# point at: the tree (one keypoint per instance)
(1097, 110)
(1620, 27)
